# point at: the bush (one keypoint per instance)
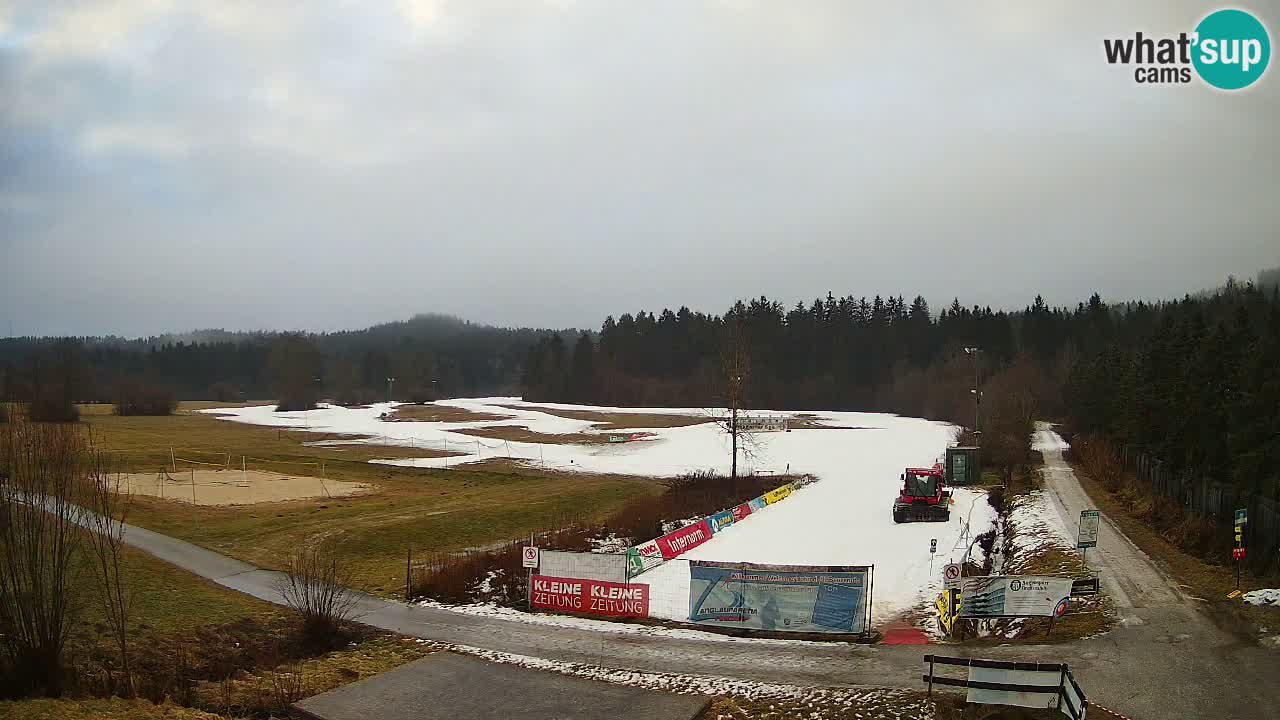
(317, 584)
(136, 397)
(53, 408)
(995, 498)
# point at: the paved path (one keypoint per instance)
(1167, 660)
(445, 686)
(1167, 657)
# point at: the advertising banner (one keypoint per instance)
(946, 604)
(643, 557)
(787, 598)
(674, 544)
(720, 521)
(591, 597)
(741, 512)
(1014, 596)
(758, 504)
(777, 494)
(750, 423)
(1088, 536)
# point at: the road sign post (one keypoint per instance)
(529, 559)
(933, 548)
(1087, 536)
(951, 575)
(1238, 552)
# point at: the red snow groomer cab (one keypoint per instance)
(923, 497)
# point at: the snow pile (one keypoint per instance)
(1270, 596)
(846, 519)
(1046, 439)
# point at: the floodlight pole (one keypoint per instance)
(390, 380)
(977, 393)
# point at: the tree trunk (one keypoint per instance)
(733, 432)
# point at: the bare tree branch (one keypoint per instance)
(110, 501)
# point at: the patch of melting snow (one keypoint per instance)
(610, 544)
(673, 525)
(906, 702)
(485, 586)
(621, 628)
(1269, 596)
(1037, 525)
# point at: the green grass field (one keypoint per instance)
(168, 599)
(171, 605)
(422, 510)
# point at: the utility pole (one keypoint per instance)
(977, 393)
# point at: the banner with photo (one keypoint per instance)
(779, 598)
(1014, 596)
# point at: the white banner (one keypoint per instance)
(583, 566)
(1047, 698)
(748, 423)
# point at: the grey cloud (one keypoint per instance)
(550, 163)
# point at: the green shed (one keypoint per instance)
(964, 465)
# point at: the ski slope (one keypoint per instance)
(844, 519)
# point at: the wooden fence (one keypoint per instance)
(1217, 503)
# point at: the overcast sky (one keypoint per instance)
(177, 165)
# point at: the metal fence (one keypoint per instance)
(1216, 502)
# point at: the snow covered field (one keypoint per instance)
(844, 519)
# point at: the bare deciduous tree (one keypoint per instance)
(732, 380)
(316, 584)
(40, 535)
(109, 502)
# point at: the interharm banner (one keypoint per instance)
(590, 597)
(678, 542)
(644, 556)
(787, 598)
(1014, 596)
